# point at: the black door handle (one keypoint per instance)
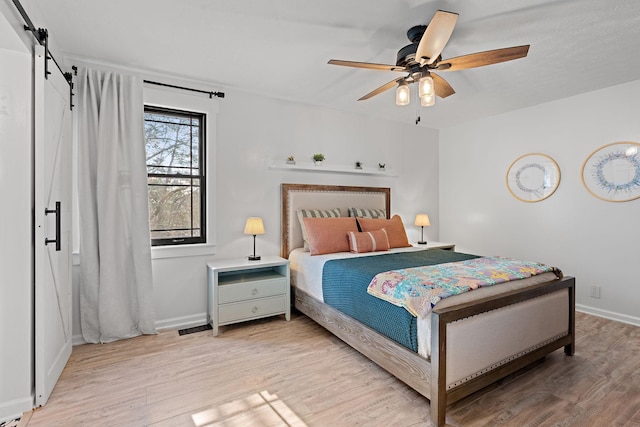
(57, 240)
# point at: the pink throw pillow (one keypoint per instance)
(329, 235)
(368, 241)
(394, 227)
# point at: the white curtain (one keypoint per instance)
(116, 290)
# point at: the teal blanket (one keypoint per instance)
(345, 282)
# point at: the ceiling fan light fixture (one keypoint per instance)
(403, 94)
(425, 86)
(428, 101)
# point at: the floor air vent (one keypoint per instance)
(195, 329)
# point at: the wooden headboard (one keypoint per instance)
(309, 196)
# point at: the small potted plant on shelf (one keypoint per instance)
(381, 166)
(358, 165)
(318, 159)
(291, 160)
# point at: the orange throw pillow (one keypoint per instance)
(394, 227)
(368, 241)
(329, 235)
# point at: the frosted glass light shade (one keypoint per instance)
(403, 95)
(428, 100)
(422, 220)
(425, 86)
(254, 226)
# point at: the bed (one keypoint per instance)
(505, 327)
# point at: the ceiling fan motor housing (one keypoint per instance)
(414, 34)
(407, 55)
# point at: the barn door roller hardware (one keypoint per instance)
(42, 35)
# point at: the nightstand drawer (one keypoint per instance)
(252, 290)
(245, 310)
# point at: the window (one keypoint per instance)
(176, 175)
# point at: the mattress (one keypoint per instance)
(306, 275)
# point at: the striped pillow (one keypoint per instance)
(314, 213)
(368, 241)
(368, 213)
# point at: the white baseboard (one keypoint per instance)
(608, 314)
(14, 409)
(77, 340)
(182, 322)
(163, 325)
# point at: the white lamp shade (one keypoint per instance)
(403, 94)
(422, 220)
(254, 226)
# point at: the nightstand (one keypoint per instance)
(241, 290)
(437, 245)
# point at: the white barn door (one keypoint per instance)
(52, 180)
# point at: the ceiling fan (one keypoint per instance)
(423, 56)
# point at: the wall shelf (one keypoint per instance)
(310, 167)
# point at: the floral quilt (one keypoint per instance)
(418, 289)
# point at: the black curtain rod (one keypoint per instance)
(211, 94)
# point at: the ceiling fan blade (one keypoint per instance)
(481, 59)
(369, 65)
(381, 89)
(436, 36)
(441, 86)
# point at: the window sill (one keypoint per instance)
(178, 251)
(160, 252)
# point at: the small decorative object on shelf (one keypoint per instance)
(291, 160)
(318, 159)
(381, 166)
(358, 165)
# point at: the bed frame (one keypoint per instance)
(438, 379)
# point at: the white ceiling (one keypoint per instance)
(280, 48)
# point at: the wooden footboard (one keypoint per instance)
(429, 377)
(441, 319)
(409, 367)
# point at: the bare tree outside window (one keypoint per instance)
(176, 178)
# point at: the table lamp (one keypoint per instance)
(422, 220)
(254, 226)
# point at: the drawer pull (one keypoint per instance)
(254, 310)
(254, 291)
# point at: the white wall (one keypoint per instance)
(593, 240)
(252, 133)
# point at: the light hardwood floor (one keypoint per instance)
(276, 373)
